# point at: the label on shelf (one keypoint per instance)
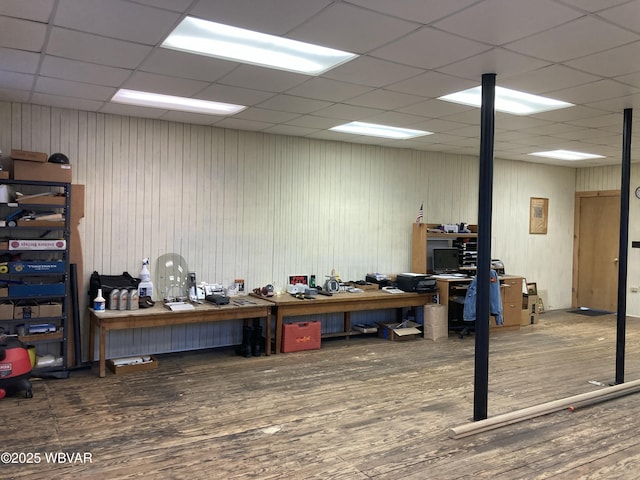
(56, 244)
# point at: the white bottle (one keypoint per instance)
(145, 288)
(99, 302)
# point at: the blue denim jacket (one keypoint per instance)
(495, 301)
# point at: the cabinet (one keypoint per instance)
(34, 268)
(420, 249)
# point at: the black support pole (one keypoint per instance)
(624, 245)
(483, 272)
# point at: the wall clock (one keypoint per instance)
(637, 192)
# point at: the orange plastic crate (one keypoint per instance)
(301, 336)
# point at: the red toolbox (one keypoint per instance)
(301, 336)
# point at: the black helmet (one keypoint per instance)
(59, 158)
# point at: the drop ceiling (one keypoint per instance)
(77, 53)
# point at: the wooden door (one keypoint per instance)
(596, 249)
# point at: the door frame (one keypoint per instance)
(576, 235)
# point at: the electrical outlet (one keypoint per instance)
(634, 289)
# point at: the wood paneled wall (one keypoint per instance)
(261, 207)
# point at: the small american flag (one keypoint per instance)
(420, 213)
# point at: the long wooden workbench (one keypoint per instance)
(159, 316)
(286, 305)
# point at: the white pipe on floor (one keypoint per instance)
(575, 401)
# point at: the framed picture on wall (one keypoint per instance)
(538, 215)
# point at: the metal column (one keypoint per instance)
(624, 245)
(483, 272)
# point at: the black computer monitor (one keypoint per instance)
(445, 260)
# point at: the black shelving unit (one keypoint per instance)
(39, 276)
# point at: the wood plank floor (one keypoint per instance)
(363, 408)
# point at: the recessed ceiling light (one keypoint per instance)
(170, 102)
(371, 129)
(203, 37)
(566, 155)
(508, 101)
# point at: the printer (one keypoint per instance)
(416, 282)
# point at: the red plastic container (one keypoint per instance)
(301, 336)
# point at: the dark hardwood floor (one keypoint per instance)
(363, 408)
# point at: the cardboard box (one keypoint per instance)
(50, 309)
(29, 156)
(134, 367)
(6, 311)
(4, 245)
(301, 336)
(37, 290)
(4, 175)
(529, 310)
(52, 199)
(43, 172)
(398, 332)
(43, 244)
(41, 223)
(25, 310)
(436, 323)
(4, 291)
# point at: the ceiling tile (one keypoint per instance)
(36, 10)
(276, 17)
(627, 15)
(131, 110)
(347, 112)
(371, 72)
(385, 99)
(497, 60)
(14, 80)
(22, 34)
(63, 68)
(592, 92)
(11, 95)
(188, 117)
(290, 130)
(616, 104)
(436, 108)
(394, 119)
(327, 89)
(291, 103)
(429, 48)
(65, 102)
(94, 49)
(116, 19)
(240, 124)
(264, 115)
(175, 5)
(587, 35)
(415, 10)
(497, 22)
(228, 94)
(19, 60)
(185, 65)
(432, 84)
(632, 79)
(547, 79)
(69, 88)
(350, 28)
(568, 114)
(259, 78)
(611, 63)
(315, 122)
(151, 82)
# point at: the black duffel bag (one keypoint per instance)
(109, 282)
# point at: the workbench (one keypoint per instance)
(160, 316)
(286, 305)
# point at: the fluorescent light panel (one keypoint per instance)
(566, 155)
(508, 101)
(374, 130)
(212, 39)
(170, 102)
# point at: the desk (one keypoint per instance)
(159, 316)
(286, 305)
(511, 293)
